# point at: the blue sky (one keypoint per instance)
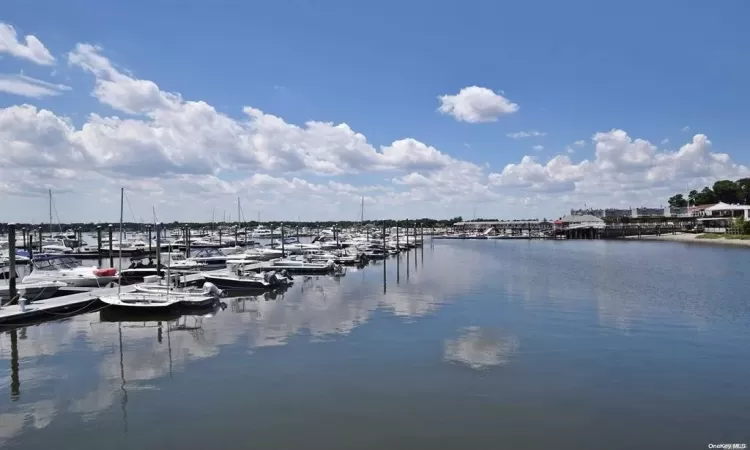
(574, 69)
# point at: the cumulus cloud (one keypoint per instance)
(476, 104)
(31, 49)
(622, 164)
(580, 143)
(537, 148)
(29, 87)
(526, 134)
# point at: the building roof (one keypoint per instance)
(721, 206)
(581, 218)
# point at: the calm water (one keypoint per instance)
(534, 345)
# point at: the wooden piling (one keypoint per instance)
(282, 239)
(12, 259)
(99, 244)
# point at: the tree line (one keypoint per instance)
(726, 191)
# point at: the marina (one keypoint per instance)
(517, 329)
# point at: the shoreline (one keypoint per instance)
(692, 238)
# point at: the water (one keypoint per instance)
(513, 344)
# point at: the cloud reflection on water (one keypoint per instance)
(479, 348)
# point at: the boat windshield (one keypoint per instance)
(57, 263)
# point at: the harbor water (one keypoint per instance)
(461, 344)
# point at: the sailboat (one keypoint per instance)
(157, 296)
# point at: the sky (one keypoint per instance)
(422, 108)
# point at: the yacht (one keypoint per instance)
(262, 253)
(261, 232)
(66, 269)
(211, 257)
(302, 264)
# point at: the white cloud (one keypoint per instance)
(29, 87)
(476, 104)
(32, 50)
(623, 166)
(580, 143)
(538, 148)
(685, 128)
(665, 141)
(526, 134)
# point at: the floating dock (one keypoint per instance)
(77, 299)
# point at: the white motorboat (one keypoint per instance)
(238, 278)
(298, 249)
(66, 269)
(262, 253)
(211, 257)
(301, 264)
(179, 263)
(261, 232)
(39, 290)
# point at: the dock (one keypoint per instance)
(80, 299)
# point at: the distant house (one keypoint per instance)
(717, 218)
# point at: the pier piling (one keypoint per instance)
(282, 239)
(25, 246)
(41, 245)
(15, 380)
(99, 243)
(12, 259)
(149, 241)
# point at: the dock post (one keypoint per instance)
(150, 249)
(187, 242)
(336, 235)
(41, 249)
(15, 380)
(415, 235)
(384, 247)
(25, 247)
(31, 251)
(298, 233)
(220, 236)
(158, 248)
(99, 243)
(236, 234)
(398, 246)
(282, 239)
(111, 254)
(12, 259)
(421, 233)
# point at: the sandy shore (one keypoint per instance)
(693, 238)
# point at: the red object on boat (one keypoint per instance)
(110, 272)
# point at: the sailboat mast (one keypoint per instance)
(50, 212)
(119, 270)
(238, 212)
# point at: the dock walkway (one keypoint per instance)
(79, 299)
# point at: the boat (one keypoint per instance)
(39, 290)
(261, 232)
(154, 295)
(261, 253)
(239, 278)
(300, 264)
(66, 269)
(179, 263)
(211, 257)
(162, 298)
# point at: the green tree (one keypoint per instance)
(744, 186)
(727, 191)
(705, 197)
(677, 201)
(692, 195)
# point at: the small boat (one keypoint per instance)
(156, 296)
(33, 291)
(238, 278)
(211, 257)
